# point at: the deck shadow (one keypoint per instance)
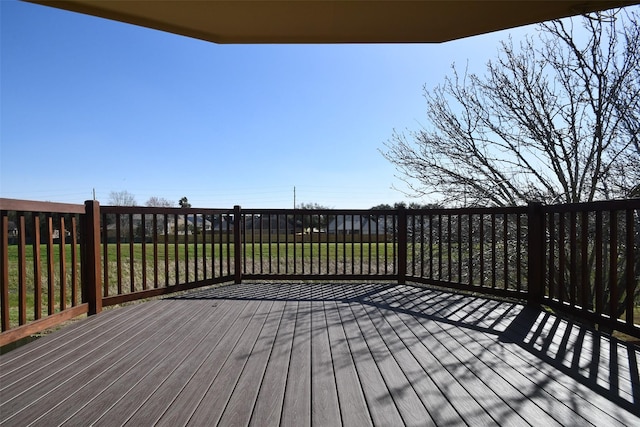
(596, 360)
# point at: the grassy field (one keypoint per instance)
(135, 268)
(176, 264)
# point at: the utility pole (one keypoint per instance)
(294, 197)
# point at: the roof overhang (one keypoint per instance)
(302, 21)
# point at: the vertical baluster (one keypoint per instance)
(74, 260)
(278, 216)
(22, 270)
(4, 286)
(493, 250)
(630, 278)
(430, 246)
(459, 248)
(449, 263)
(118, 254)
(63, 264)
(269, 243)
(105, 255)
(185, 247)
(50, 267)
(439, 246)
(519, 259)
(481, 249)
(505, 244)
(154, 225)
(599, 264)
(584, 261)
(470, 249)
(551, 265)
(562, 255)
(203, 257)
(37, 267)
(344, 243)
(613, 264)
(132, 265)
(165, 229)
(286, 244)
(143, 243)
(573, 264)
(176, 251)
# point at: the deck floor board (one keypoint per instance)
(322, 354)
(267, 409)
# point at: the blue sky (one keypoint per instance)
(88, 103)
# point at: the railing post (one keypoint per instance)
(535, 253)
(402, 245)
(91, 265)
(237, 244)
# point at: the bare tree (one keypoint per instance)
(158, 202)
(554, 120)
(122, 198)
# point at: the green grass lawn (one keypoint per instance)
(184, 260)
(183, 263)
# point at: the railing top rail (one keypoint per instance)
(35, 206)
(601, 205)
(161, 210)
(429, 211)
(298, 211)
(467, 211)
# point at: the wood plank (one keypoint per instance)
(353, 405)
(409, 404)
(65, 337)
(379, 401)
(120, 397)
(78, 371)
(242, 401)
(541, 386)
(218, 393)
(575, 351)
(23, 377)
(297, 397)
(268, 407)
(437, 366)
(325, 409)
(333, 354)
(513, 403)
(543, 393)
(440, 408)
(153, 406)
(180, 411)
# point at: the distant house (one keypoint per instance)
(273, 224)
(222, 223)
(355, 224)
(188, 224)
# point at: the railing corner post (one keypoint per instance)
(535, 253)
(91, 262)
(237, 244)
(402, 245)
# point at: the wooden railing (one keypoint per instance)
(583, 259)
(319, 244)
(480, 250)
(147, 252)
(41, 266)
(591, 262)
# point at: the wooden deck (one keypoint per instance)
(320, 354)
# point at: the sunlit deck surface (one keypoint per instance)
(322, 354)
